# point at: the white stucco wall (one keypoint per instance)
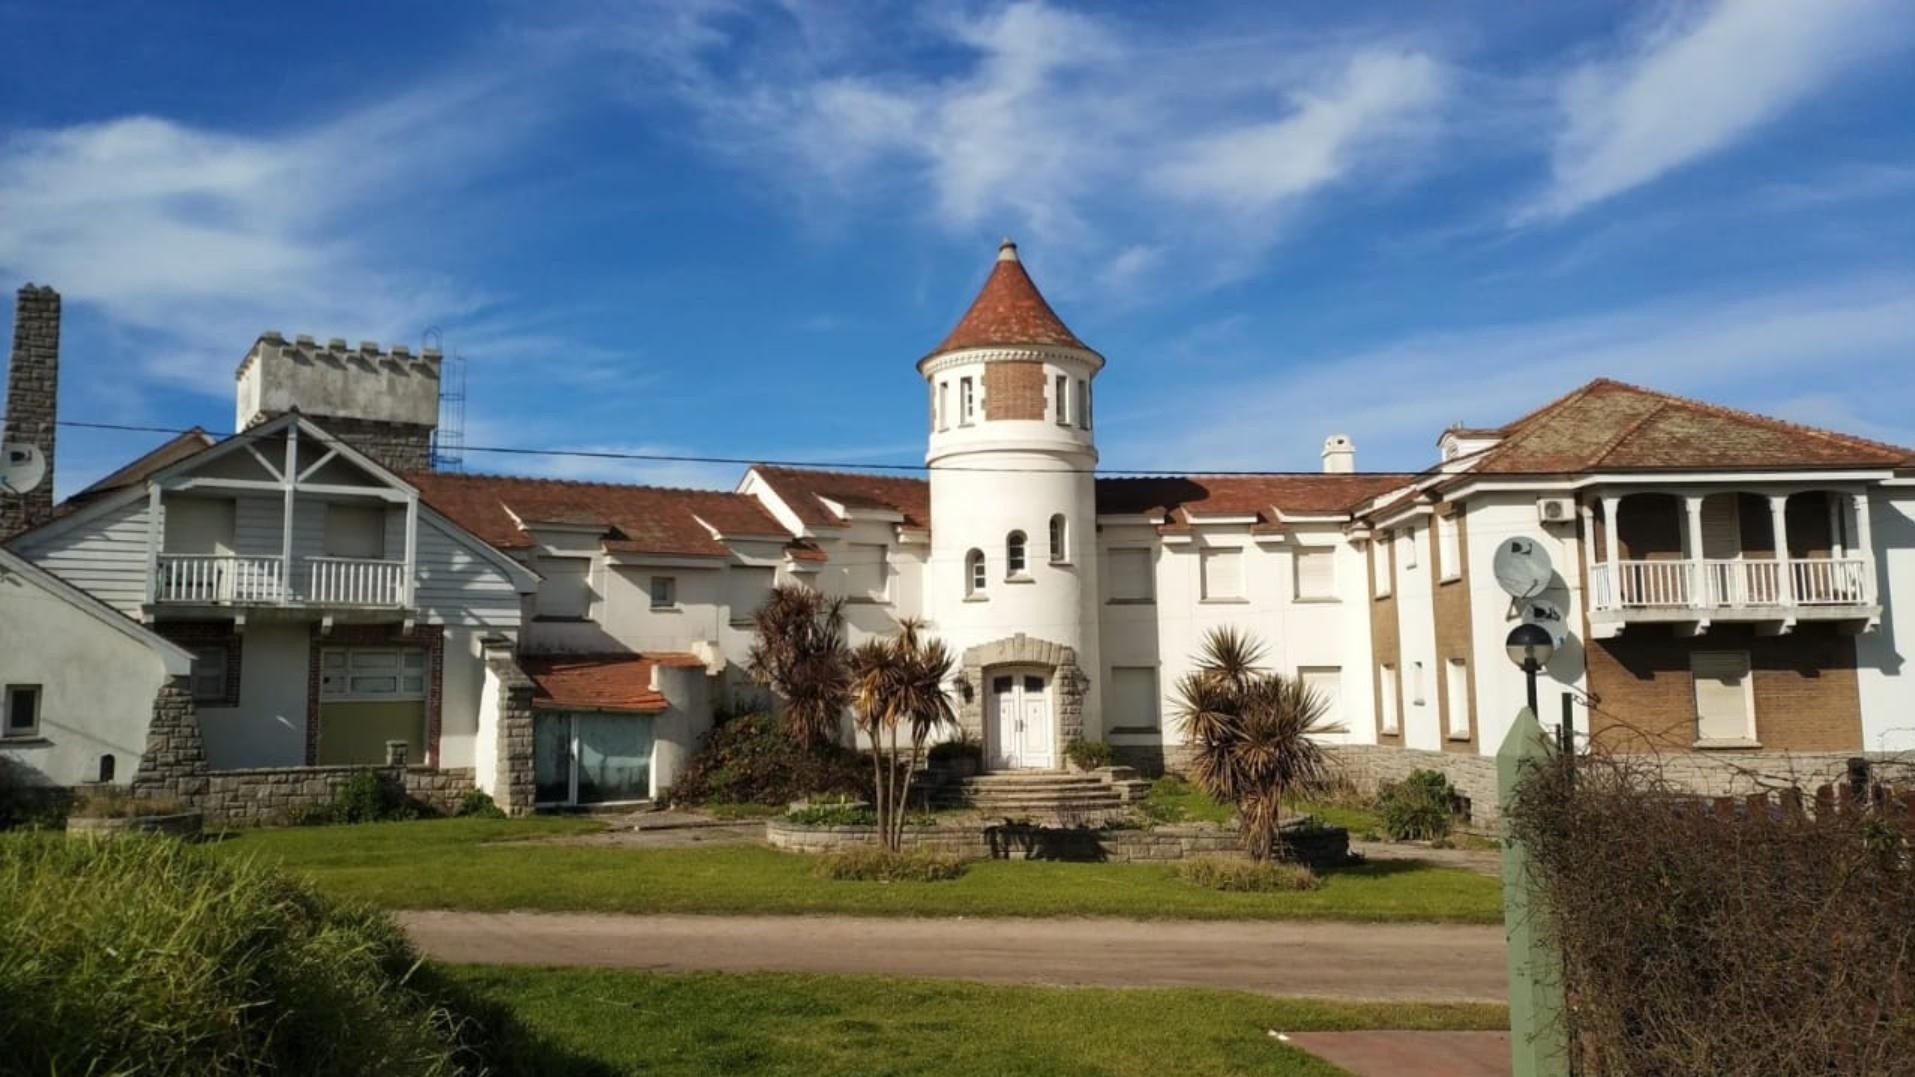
(1416, 624)
(1492, 519)
(97, 684)
(462, 694)
(268, 728)
(677, 732)
(1886, 684)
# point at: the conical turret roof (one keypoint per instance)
(1009, 310)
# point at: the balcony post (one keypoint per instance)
(1864, 546)
(291, 480)
(1779, 521)
(1611, 551)
(1692, 554)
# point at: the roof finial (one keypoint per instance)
(1006, 250)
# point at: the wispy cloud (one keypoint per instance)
(1696, 79)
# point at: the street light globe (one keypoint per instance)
(1529, 646)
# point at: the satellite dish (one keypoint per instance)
(1522, 568)
(22, 467)
(1548, 616)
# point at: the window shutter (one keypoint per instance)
(1722, 695)
(1327, 683)
(566, 590)
(1130, 574)
(1223, 573)
(1316, 572)
(1133, 698)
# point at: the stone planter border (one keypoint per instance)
(178, 824)
(1319, 847)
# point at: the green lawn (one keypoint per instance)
(592, 1022)
(1177, 801)
(478, 864)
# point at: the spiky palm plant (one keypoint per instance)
(1252, 733)
(897, 684)
(798, 651)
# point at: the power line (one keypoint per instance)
(815, 465)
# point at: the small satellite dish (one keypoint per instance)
(22, 467)
(1548, 616)
(1522, 568)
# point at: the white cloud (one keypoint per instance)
(1696, 80)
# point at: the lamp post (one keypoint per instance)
(1530, 648)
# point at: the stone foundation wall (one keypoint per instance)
(269, 794)
(1324, 847)
(174, 762)
(1154, 760)
(1367, 766)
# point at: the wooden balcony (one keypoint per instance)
(1774, 594)
(230, 580)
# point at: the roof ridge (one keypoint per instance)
(789, 470)
(554, 481)
(1850, 440)
(1626, 432)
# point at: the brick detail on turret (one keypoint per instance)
(33, 380)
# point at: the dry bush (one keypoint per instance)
(1245, 876)
(878, 865)
(1767, 935)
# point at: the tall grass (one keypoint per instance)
(140, 955)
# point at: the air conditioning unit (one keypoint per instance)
(1556, 510)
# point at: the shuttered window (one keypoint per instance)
(1130, 575)
(565, 593)
(748, 587)
(1456, 697)
(1387, 713)
(1326, 682)
(1222, 574)
(1380, 563)
(1316, 572)
(868, 567)
(1725, 705)
(1133, 699)
(355, 531)
(1449, 553)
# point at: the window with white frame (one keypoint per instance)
(1130, 575)
(1061, 399)
(1386, 711)
(1014, 550)
(1416, 684)
(664, 592)
(1315, 568)
(1456, 697)
(1326, 683)
(1083, 403)
(967, 401)
(1380, 563)
(210, 666)
(372, 674)
(1725, 695)
(748, 586)
(1060, 540)
(944, 405)
(1133, 706)
(565, 590)
(976, 574)
(1222, 571)
(1449, 547)
(868, 571)
(22, 711)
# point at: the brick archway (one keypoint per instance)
(1021, 650)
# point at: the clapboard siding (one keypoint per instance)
(457, 586)
(105, 557)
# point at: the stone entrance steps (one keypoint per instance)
(1047, 797)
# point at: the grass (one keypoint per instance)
(800, 1024)
(735, 810)
(1177, 801)
(479, 864)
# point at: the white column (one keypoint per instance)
(1612, 549)
(1779, 521)
(1865, 546)
(412, 551)
(1838, 517)
(1692, 553)
(286, 518)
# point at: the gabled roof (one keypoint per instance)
(806, 491)
(170, 452)
(1009, 310)
(636, 519)
(177, 661)
(1178, 497)
(1611, 426)
(600, 682)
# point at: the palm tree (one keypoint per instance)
(1252, 733)
(799, 652)
(898, 684)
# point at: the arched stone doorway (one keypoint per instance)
(1013, 683)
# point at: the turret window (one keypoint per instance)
(1061, 400)
(1083, 404)
(975, 578)
(1014, 555)
(1060, 540)
(967, 401)
(944, 405)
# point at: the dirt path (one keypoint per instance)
(1409, 962)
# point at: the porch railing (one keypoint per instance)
(233, 580)
(1756, 583)
(354, 581)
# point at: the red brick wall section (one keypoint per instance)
(1014, 390)
(1385, 639)
(430, 637)
(194, 635)
(1451, 609)
(1805, 689)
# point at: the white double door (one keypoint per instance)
(1021, 721)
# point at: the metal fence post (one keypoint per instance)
(1539, 1038)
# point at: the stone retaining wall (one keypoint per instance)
(1367, 766)
(268, 795)
(1324, 847)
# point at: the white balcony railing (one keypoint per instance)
(219, 579)
(231, 580)
(353, 581)
(1757, 583)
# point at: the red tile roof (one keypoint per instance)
(599, 682)
(801, 489)
(636, 519)
(1261, 496)
(1009, 310)
(1612, 426)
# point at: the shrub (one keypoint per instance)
(121, 804)
(366, 796)
(752, 759)
(27, 802)
(478, 804)
(836, 813)
(1421, 807)
(945, 753)
(1088, 754)
(873, 864)
(1244, 876)
(132, 954)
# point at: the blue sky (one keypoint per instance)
(731, 228)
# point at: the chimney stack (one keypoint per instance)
(1339, 455)
(33, 379)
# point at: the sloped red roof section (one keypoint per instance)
(802, 489)
(1009, 310)
(1609, 425)
(600, 682)
(1179, 496)
(634, 519)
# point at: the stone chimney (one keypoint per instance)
(383, 402)
(1339, 455)
(33, 379)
